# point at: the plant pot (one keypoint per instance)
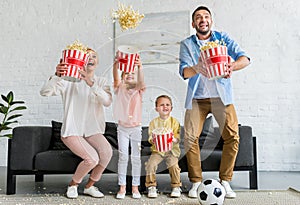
(3, 151)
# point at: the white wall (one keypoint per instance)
(34, 32)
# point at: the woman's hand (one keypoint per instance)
(61, 69)
(84, 76)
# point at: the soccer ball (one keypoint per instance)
(211, 192)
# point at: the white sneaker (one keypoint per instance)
(193, 190)
(176, 192)
(229, 192)
(136, 195)
(121, 195)
(72, 192)
(152, 192)
(93, 191)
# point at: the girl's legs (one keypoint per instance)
(123, 144)
(135, 141)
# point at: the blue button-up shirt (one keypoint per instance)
(189, 54)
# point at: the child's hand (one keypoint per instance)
(175, 140)
(116, 59)
(138, 62)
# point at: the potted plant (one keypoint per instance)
(9, 109)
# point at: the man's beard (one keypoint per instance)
(203, 32)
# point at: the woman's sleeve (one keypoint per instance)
(102, 92)
(53, 86)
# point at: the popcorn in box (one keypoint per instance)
(127, 56)
(215, 58)
(162, 139)
(76, 58)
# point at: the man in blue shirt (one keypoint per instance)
(206, 96)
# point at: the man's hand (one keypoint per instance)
(200, 68)
(229, 69)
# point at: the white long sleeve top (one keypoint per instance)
(83, 105)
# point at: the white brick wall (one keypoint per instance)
(33, 33)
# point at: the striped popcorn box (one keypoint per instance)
(163, 142)
(75, 60)
(215, 60)
(126, 56)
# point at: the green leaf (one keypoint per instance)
(4, 109)
(8, 135)
(9, 122)
(17, 102)
(14, 116)
(4, 98)
(6, 128)
(10, 97)
(1, 104)
(18, 108)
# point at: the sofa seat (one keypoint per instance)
(56, 160)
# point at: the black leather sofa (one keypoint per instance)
(32, 152)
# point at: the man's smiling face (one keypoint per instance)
(202, 22)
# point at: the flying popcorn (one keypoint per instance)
(127, 17)
(77, 46)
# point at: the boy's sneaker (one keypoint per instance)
(193, 190)
(176, 192)
(229, 192)
(72, 192)
(93, 191)
(152, 192)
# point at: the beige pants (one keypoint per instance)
(228, 124)
(172, 164)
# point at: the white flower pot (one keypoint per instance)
(3, 151)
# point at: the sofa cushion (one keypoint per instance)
(111, 134)
(56, 143)
(56, 160)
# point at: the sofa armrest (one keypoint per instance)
(245, 156)
(26, 142)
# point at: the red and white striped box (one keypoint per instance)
(127, 55)
(75, 60)
(163, 142)
(215, 60)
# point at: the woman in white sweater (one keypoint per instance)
(83, 122)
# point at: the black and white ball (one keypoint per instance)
(211, 192)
